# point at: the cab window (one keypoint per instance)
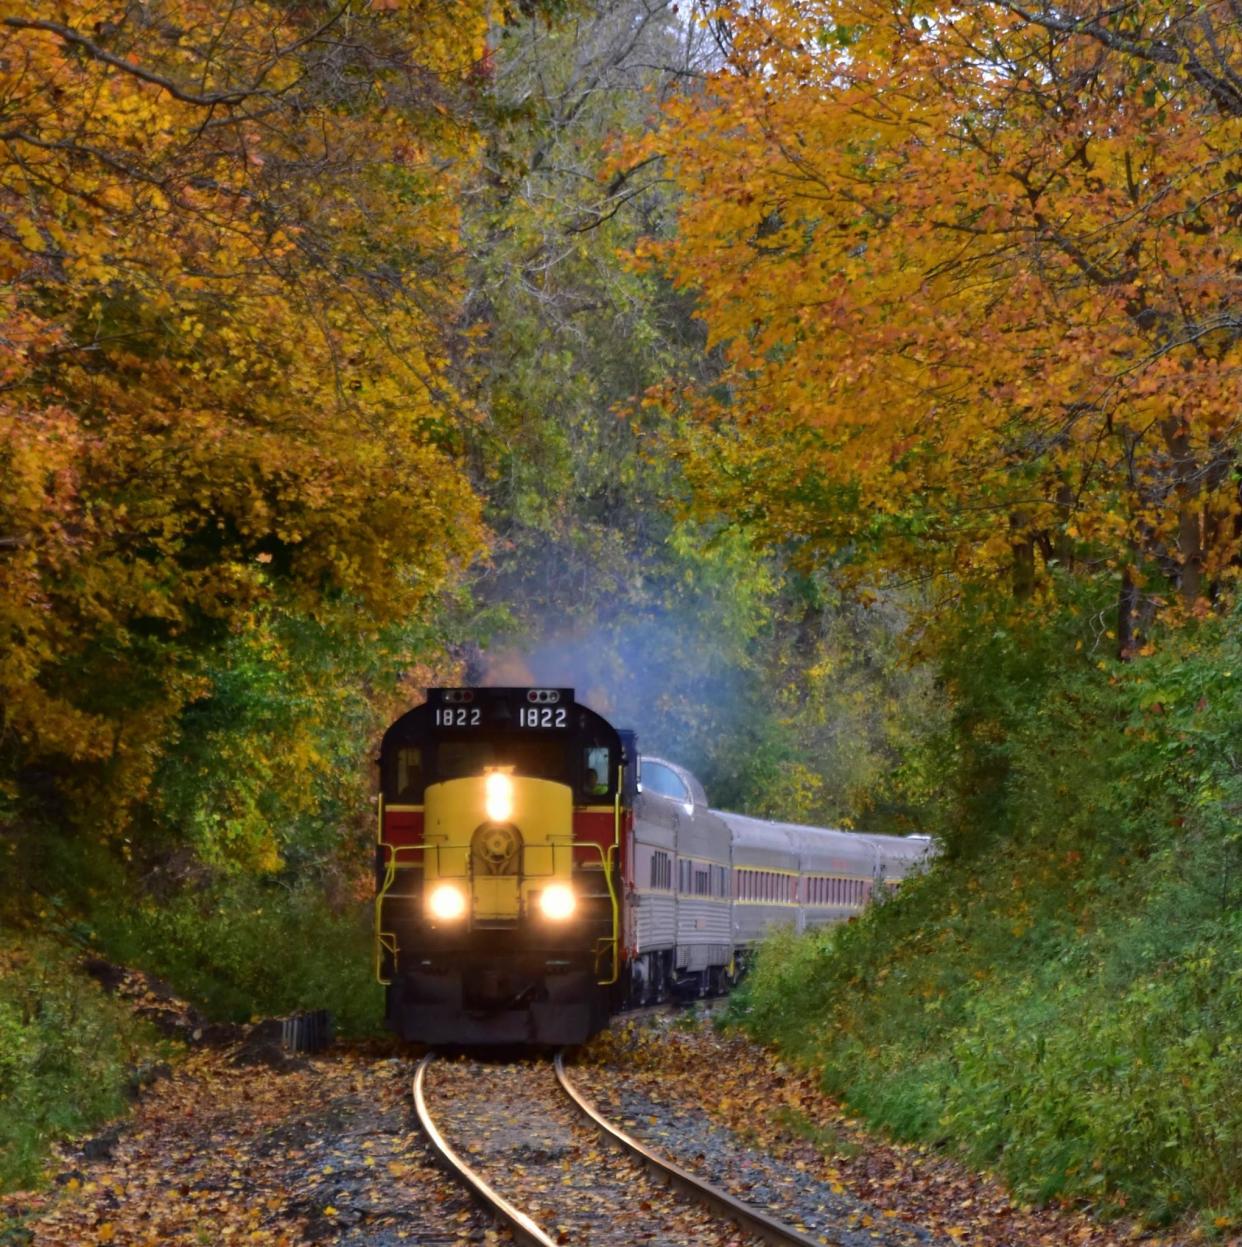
(409, 776)
(540, 758)
(458, 758)
(596, 770)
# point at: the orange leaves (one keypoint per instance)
(227, 324)
(971, 259)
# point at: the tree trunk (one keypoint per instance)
(1063, 548)
(1189, 519)
(1023, 546)
(1127, 617)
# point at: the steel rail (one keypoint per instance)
(768, 1229)
(525, 1231)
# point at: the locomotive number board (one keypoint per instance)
(539, 709)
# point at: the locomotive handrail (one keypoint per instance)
(386, 941)
(609, 864)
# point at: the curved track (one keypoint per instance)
(524, 1230)
(763, 1227)
(731, 1214)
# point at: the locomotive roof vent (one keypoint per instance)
(543, 696)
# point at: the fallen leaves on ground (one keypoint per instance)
(513, 1124)
(781, 1110)
(230, 1150)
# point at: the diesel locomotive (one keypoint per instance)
(534, 874)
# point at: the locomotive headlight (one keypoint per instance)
(446, 902)
(498, 798)
(557, 901)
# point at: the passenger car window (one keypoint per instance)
(659, 779)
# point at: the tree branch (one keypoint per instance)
(209, 99)
(1222, 89)
(68, 35)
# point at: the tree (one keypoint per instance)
(229, 269)
(697, 637)
(971, 271)
(569, 334)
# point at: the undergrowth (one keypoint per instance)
(1060, 997)
(242, 949)
(235, 946)
(69, 1053)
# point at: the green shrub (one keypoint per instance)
(67, 1054)
(1058, 998)
(240, 948)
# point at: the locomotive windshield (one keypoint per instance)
(542, 759)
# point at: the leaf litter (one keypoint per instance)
(512, 1123)
(735, 1113)
(231, 1150)
(244, 1145)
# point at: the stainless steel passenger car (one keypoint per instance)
(899, 856)
(708, 885)
(838, 870)
(681, 899)
(765, 877)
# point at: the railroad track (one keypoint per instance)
(525, 1141)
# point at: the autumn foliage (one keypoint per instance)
(975, 272)
(228, 265)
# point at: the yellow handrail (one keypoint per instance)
(609, 862)
(386, 941)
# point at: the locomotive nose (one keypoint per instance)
(496, 849)
(507, 841)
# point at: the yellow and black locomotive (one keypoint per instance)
(503, 818)
(534, 874)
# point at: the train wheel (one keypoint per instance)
(659, 977)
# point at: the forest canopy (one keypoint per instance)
(229, 283)
(975, 273)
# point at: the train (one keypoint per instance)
(535, 874)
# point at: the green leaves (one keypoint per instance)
(234, 389)
(1082, 931)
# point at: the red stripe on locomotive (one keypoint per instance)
(403, 827)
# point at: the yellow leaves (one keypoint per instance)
(29, 233)
(867, 273)
(204, 367)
